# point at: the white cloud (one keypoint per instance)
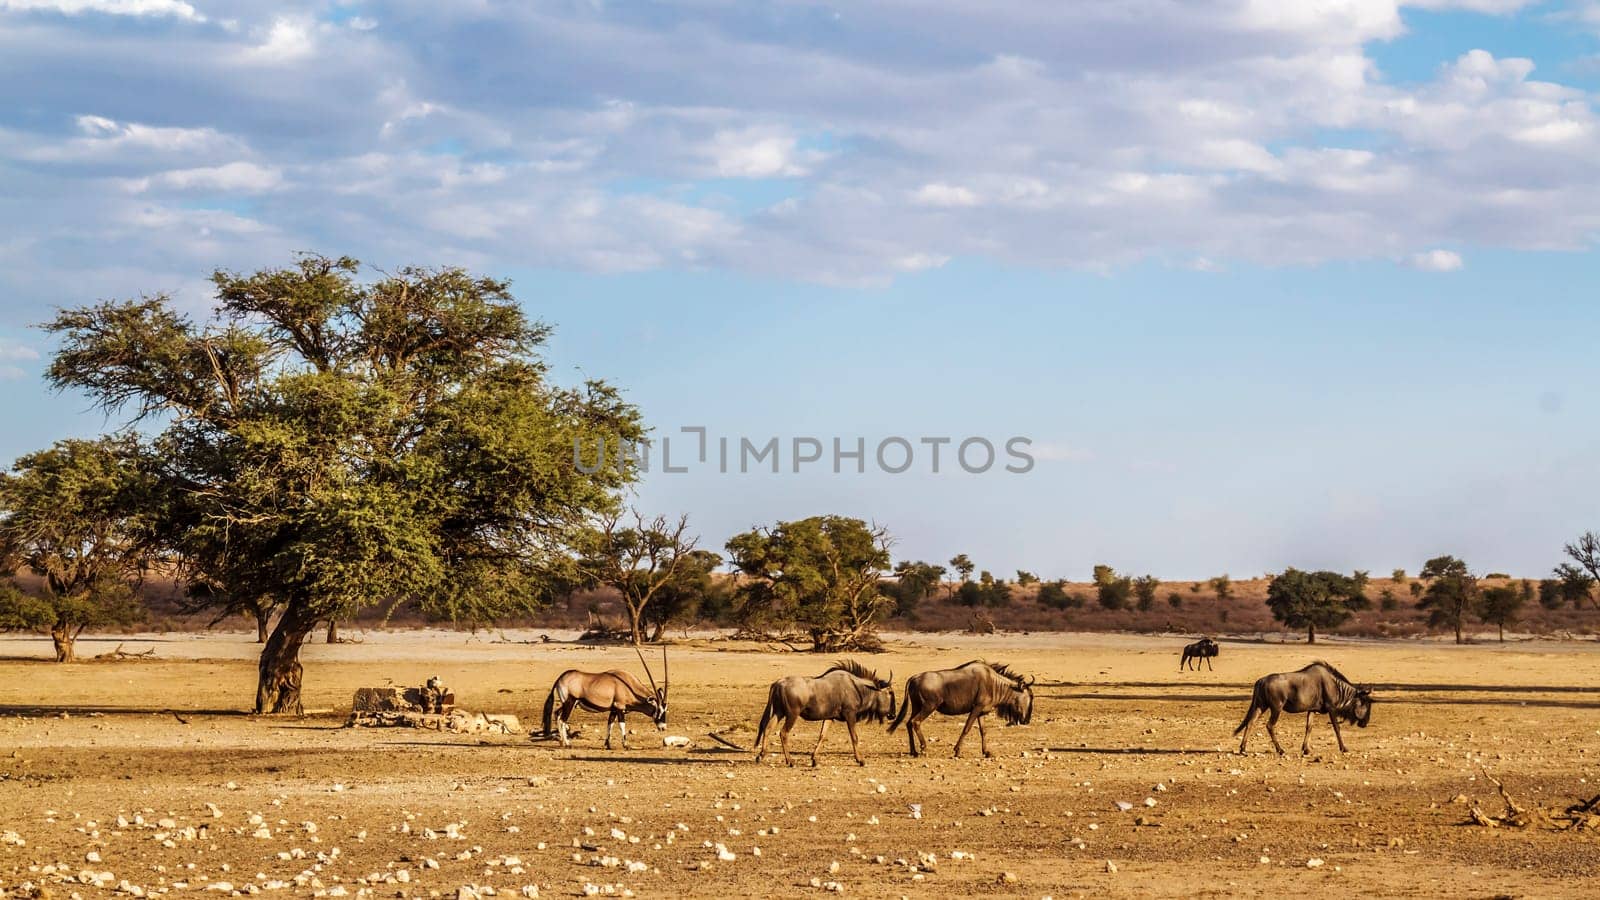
(1435, 261)
(751, 154)
(944, 195)
(287, 40)
(12, 351)
(136, 8)
(234, 177)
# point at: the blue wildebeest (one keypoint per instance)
(847, 693)
(1205, 649)
(974, 690)
(1317, 688)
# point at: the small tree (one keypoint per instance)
(1112, 590)
(1399, 576)
(914, 582)
(963, 567)
(819, 574)
(1175, 600)
(1312, 600)
(1452, 591)
(1499, 605)
(76, 516)
(1025, 578)
(1145, 587)
(1585, 552)
(1572, 586)
(1222, 586)
(637, 561)
(1053, 595)
(1387, 601)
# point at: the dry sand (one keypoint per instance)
(1114, 719)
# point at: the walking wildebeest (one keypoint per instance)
(973, 690)
(1317, 688)
(846, 693)
(1205, 649)
(615, 693)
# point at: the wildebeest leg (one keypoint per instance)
(1249, 720)
(1183, 663)
(783, 738)
(983, 740)
(855, 742)
(1336, 735)
(1305, 742)
(1272, 729)
(821, 733)
(913, 727)
(971, 717)
(1208, 665)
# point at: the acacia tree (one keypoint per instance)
(914, 582)
(1500, 605)
(820, 575)
(1313, 600)
(1451, 592)
(963, 566)
(637, 561)
(338, 444)
(74, 516)
(1577, 581)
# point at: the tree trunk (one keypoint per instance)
(1458, 631)
(1311, 634)
(333, 631)
(636, 623)
(65, 639)
(263, 619)
(278, 678)
(1502, 632)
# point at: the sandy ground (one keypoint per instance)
(118, 785)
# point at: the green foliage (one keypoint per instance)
(1399, 576)
(1361, 578)
(1025, 578)
(963, 566)
(1144, 588)
(1053, 595)
(913, 583)
(692, 593)
(819, 575)
(1175, 600)
(1111, 589)
(1387, 601)
(1451, 592)
(338, 444)
(1416, 588)
(991, 592)
(1312, 600)
(1497, 576)
(76, 515)
(1499, 605)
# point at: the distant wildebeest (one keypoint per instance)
(1317, 688)
(847, 693)
(1205, 649)
(973, 690)
(615, 693)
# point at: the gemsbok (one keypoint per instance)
(615, 693)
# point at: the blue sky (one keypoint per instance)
(1266, 284)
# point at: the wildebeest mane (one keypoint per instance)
(1336, 673)
(859, 671)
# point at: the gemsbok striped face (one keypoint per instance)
(660, 716)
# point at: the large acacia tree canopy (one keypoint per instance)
(345, 443)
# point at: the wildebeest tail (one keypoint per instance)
(905, 707)
(1256, 702)
(549, 710)
(768, 713)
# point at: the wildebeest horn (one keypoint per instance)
(646, 665)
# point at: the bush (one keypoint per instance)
(1399, 575)
(1500, 575)
(1387, 601)
(1175, 600)
(1144, 587)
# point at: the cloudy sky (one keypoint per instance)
(1266, 282)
